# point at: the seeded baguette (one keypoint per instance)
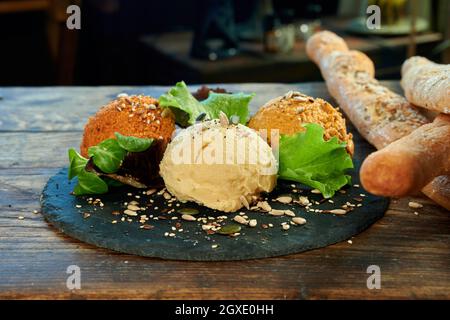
(427, 84)
(380, 115)
(405, 166)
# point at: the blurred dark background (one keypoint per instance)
(136, 42)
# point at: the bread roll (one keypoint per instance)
(427, 84)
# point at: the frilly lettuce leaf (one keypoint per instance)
(187, 109)
(307, 158)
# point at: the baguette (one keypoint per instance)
(439, 191)
(349, 76)
(427, 84)
(380, 115)
(407, 165)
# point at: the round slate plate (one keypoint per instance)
(68, 214)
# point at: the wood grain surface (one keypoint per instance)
(38, 125)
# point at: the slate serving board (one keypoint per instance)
(59, 208)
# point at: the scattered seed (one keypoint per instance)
(350, 241)
(299, 220)
(415, 205)
(132, 207)
(188, 217)
(244, 202)
(416, 213)
(167, 196)
(289, 213)
(284, 199)
(35, 211)
(188, 211)
(130, 213)
(214, 246)
(336, 211)
(316, 191)
(114, 221)
(20, 217)
(78, 206)
(276, 212)
(304, 201)
(240, 219)
(229, 229)
(285, 227)
(264, 205)
(252, 223)
(86, 215)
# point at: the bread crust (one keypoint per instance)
(427, 84)
(289, 112)
(349, 76)
(405, 166)
(380, 115)
(137, 116)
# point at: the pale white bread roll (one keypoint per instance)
(379, 114)
(427, 84)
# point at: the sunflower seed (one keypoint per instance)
(223, 119)
(276, 212)
(240, 219)
(336, 211)
(188, 217)
(299, 220)
(289, 213)
(132, 207)
(252, 223)
(244, 202)
(284, 199)
(415, 205)
(264, 205)
(130, 213)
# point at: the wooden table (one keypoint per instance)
(38, 125)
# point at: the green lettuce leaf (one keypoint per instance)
(133, 144)
(77, 163)
(187, 109)
(89, 183)
(107, 155)
(307, 158)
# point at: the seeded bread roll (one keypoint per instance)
(427, 84)
(405, 166)
(289, 112)
(380, 115)
(137, 116)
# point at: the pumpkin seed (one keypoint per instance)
(229, 229)
(189, 211)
